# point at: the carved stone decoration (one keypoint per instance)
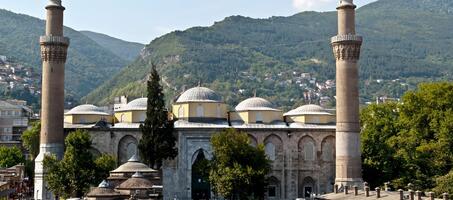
(347, 50)
(54, 53)
(54, 48)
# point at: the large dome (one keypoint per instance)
(309, 109)
(255, 103)
(199, 94)
(137, 104)
(86, 109)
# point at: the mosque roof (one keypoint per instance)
(199, 94)
(104, 190)
(136, 182)
(256, 103)
(309, 109)
(133, 165)
(136, 104)
(86, 109)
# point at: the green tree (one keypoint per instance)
(412, 141)
(444, 184)
(238, 170)
(73, 175)
(104, 164)
(10, 156)
(30, 139)
(379, 124)
(425, 142)
(158, 141)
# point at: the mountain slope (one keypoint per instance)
(128, 51)
(88, 65)
(405, 42)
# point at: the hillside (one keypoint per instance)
(406, 42)
(128, 51)
(89, 64)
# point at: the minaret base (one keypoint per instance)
(41, 192)
(350, 182)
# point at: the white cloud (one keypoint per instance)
(317, 5)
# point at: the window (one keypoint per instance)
(270, 151)
(10, 113)
(309, 151)
(123, 118)
(327, 153)
(259, 117)
(200, 111)
(181, 112)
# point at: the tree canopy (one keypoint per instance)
(158, 141)
(10, 156)
(78, 170)
(30, 139)
(238, 170)
(412, 141)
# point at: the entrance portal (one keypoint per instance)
(201, 189)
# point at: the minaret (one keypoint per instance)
(53, 54)
(346, 48)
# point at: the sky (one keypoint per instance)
(144, 20)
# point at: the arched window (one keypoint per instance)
(259, 117)
(327, 152)
(309, 151)
(200, 111)
(181, 112)
(123, 118)
(270, 151)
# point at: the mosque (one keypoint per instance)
(300, 143)
(311, 149)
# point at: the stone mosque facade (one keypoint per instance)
(300, 143)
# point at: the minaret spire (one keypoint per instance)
(53, 54)
(346, 48)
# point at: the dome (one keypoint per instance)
(255, 103)
(310, 109)
(133, 166)
(199, 94)
(136, 104)
(86, 109)
(136, 182)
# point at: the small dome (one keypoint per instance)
(86, 109)
(199, 94)
(137, 104)
(309, 109)
(255, 103)
(133, 166)
(136, 182)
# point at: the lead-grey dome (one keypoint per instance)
(255, 103)
(309, 109)
(199, 94)
(136, 104)
(86, 109)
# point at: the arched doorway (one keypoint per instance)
(201, 189)
(307, 188)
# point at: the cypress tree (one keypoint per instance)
(158, 140)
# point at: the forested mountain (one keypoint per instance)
(405, 42)
(88, 65)
(128, 51)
